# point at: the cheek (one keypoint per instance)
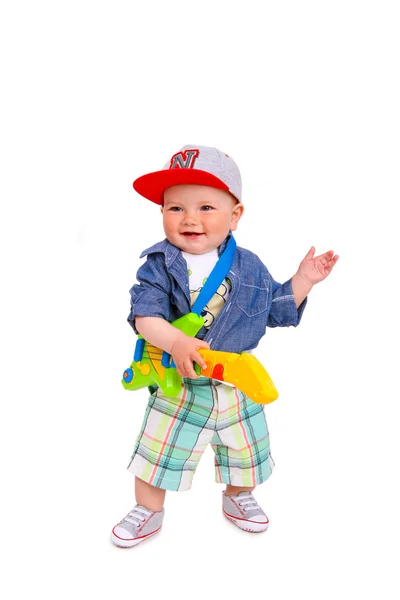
(168, 223)
(217, 224)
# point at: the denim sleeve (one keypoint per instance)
(150, 297)
(283, 312)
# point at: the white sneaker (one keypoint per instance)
(244, 512)
(138, 525)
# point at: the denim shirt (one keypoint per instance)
(256, 300)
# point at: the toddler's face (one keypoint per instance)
(197, 218)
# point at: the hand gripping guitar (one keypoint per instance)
(152, 365)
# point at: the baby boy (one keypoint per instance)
(200, 195)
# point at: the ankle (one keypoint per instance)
(233, 490)
(149, 496)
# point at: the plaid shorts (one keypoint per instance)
(176, 431)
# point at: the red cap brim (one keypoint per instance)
(153, 185)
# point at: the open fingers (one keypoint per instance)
(325, 256)
(329, 262)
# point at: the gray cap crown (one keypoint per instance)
(211, 160)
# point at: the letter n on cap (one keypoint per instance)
(184, 159)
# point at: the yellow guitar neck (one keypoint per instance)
(243, 371)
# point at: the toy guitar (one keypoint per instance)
(152, 365)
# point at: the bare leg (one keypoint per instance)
(149, 496)
(233, 490)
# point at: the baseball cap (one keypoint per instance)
(199, 165)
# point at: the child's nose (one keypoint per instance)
(190, 219)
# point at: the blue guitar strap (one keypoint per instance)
(216, 277)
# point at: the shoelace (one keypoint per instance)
(137, 516)
(248, 502)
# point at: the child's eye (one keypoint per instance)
(206, 207)
(175, 208)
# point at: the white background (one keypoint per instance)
(305, 97)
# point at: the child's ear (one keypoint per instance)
(236, 215)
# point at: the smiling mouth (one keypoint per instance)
(192, 234)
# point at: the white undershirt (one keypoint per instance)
(199, 268)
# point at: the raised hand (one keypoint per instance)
(314, 269)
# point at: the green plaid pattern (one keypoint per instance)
(176, 431)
